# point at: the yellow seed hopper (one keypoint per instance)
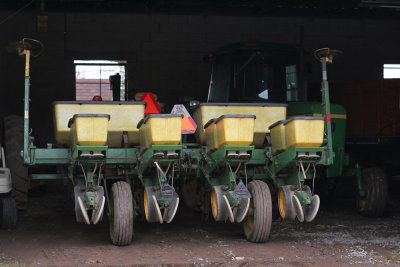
(160, 129)
(266, 114)
(230, 130)
(89, 129)
(124, 117)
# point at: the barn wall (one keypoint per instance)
(164, 52)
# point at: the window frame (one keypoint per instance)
(123, 63)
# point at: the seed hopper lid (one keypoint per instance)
(255, 104)
(209, 123)
(276, 124)
(100, 102)
(303, 118)
(234, 116)
(88, 116)
(145, 119)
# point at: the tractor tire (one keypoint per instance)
(258, 221)
(121, 214)
(8, 213)
(14, 144)
(375, 185)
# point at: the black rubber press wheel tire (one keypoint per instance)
(8, 213)
(257, 224)
(14, 144)
(375, 185)
(121, 214)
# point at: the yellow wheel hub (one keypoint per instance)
(146, 205)
(282, 203)
(214, 204)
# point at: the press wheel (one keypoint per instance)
(220, 207)
(240, 211)
(298, 208)
(286, 209)
(312, 209)
(152, 210)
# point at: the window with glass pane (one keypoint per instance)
(291, 83)
(391, 71)
(92, 78)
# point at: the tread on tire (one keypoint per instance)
(258, 221)
(14, 143)
(121, 214)
(8, 213)
(375, 184)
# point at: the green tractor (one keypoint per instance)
(258, 72)
(122, 163)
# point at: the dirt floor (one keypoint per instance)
(47, 235)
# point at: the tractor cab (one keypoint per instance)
(255, 72)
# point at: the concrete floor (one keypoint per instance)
(47, 235)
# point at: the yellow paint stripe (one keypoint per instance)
(333, 116)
